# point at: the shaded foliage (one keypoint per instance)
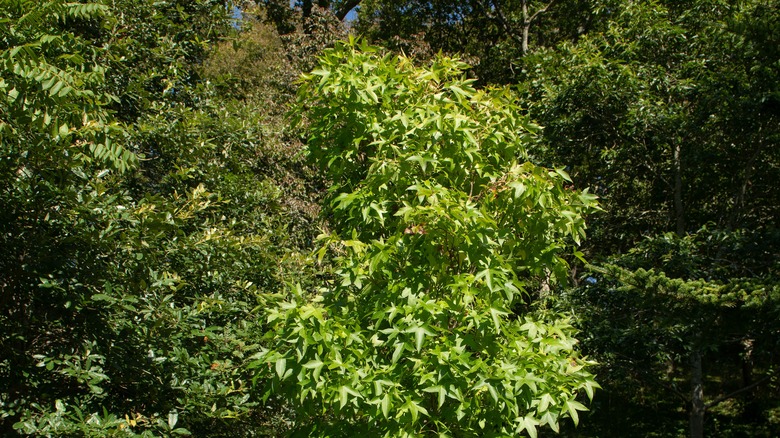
(677, 94)
(647, 312)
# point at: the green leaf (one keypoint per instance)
(103, 297)
(313, 364)
(572, 406)
(173, 418)
(419, 336)
(343, 397)
(49, 83)
(56, 88)
(281, 366)
(496, 315)
(519, 189)
(529, 424)
(386, 405)
(65, 91)
(442, 393)
(344, 393)
(563, 175)
(399, 348)
(544, 403)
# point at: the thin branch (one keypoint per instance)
(680, 395)
(540, 11)
(527, 21)
(739, 391)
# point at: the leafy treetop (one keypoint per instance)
(438, 224)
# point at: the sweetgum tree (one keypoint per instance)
(440, 227)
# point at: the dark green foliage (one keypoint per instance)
(151, 49)
(667, 115)
(647, 312)
(488, 33)
(667, 112)
(155, 204)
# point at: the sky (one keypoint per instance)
(351, 16)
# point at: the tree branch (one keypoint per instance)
(739, 391)
(527, 21)
(501, 19)
(540, 11)
(348, 5)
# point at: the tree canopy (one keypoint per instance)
(439, 224)
(332, 218)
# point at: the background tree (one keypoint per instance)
(666, 111)
(286, 15)
(153, 196)
(640, 112)
(633, 109)
(138, 231)
(493, 35)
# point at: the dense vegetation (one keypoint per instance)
(193, 241)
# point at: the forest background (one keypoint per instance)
(158, 203)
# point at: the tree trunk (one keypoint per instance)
(526, 27)
(741, 193)
(750, 411)
(307, 5)
(679, 211)
(697, 397)
(747, 362)
(528, 20)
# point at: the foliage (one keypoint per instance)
(304, 36)
(668, 112)
(254, 61)
(155, 203)
(152, 50)
(646, 312)
(684, 96)
(137, 232)
(488, 33)
(54, 98)
(284, 14)
(439, 226)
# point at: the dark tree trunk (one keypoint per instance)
(307, 5)
(741, 193)
(698, 407)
